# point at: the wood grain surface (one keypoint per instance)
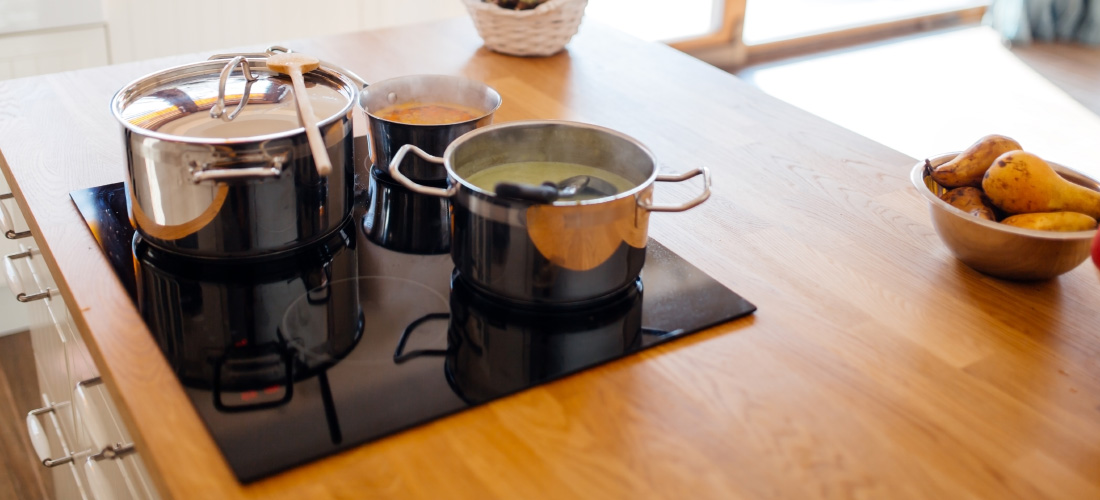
(877, 366)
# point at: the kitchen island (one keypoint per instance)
(877, 366)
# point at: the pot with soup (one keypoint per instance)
(548, 212)
(428, 111)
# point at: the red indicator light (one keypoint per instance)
(240, 343)
(273, 389)
(249, 395)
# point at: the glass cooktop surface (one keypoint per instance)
(294, 357)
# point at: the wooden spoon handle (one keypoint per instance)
(309, 121)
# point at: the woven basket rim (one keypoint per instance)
(498, 11)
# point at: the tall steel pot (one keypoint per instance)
(215, 175)
(564, 252)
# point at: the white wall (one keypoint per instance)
(143, 29)
(33, 15)
(45, 36)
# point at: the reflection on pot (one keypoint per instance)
(218, 321)
(496, 348)
(404, 221)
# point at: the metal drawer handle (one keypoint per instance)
(16, 284)
(117, 450)
(6, 223)
(22, 297)
(39, 440)
(95, 426)
(97, 481)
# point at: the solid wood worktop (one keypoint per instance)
(877, 366)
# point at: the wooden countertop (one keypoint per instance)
(877, 366)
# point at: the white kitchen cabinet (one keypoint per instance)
(144, 29)
(60, 49)
(45, 36)
(78, 426)
(13, 314)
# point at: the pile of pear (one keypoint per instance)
(996, 180)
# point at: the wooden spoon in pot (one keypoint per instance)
(294, 64)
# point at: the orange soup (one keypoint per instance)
(419, 113)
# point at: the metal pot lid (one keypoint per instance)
(182, 103)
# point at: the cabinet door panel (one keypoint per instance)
(37, 53)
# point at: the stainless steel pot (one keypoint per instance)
(212, 174)
(549, 253)
(388, 135)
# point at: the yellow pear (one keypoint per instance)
(968, 167)
(1021, 183)
(1052, 221)
(970, 200)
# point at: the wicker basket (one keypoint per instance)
(541, 31)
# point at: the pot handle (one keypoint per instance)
(680, 178)
(215, 165)
(279, 49)
(395, 172)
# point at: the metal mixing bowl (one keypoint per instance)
(999, 250)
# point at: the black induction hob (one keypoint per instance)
(295, 357)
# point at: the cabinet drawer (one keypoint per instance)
(12, 224)
(51, 447)
(99, 427)
(13, 314)
(88, 427)
(35, 53)
(47, 342)
(122, 476)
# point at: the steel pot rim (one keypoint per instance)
(635, 192)
(448, 155)
(352, 82)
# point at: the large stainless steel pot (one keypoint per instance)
(213, 174)
(549, 253)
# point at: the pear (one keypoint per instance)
(1021, 183)
(968, 167)
(970, 200)
(1052, 221)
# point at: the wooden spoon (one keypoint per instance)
(294, 64)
